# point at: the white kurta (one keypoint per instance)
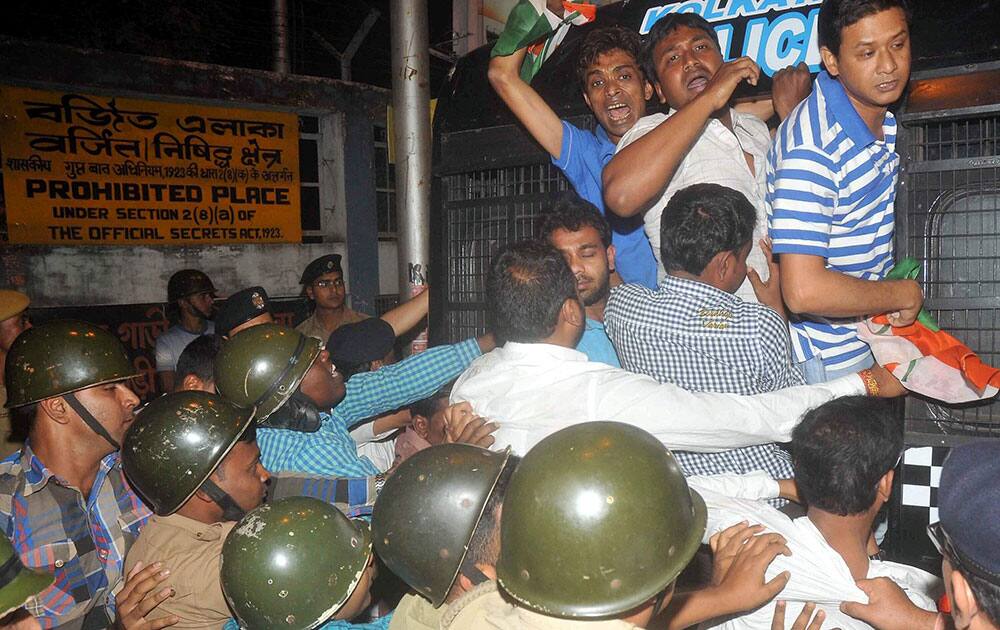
(533, 390)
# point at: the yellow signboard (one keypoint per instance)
(98, 170)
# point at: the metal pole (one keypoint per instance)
(355, 43)
(412, 138)
(279, 17)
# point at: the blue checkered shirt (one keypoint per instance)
(355, 496)
(331, 450)
(704, 339)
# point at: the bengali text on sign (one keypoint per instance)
(102, 170)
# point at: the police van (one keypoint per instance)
(491, 180)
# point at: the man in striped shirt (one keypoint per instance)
(831, 180)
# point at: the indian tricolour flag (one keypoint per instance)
(930, 362)
(531, 24)
(926, 359)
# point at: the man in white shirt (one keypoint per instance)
(537, 383)
(844, 453)
(968, 539)
(702, 139)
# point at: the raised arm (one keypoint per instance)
(529, 108)
(641, 169)
(408, 314)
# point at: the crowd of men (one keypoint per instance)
(670, 423)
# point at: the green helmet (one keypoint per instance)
(176, 442)
(262, 366)
(188, 282)
(597, 520)
(17, 583)
(59, 357)
(292, 563)
(428, 510)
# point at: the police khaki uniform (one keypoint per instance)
(597, 522)
(424, 519)
(12, 305)
(312, 326)
(176, 444)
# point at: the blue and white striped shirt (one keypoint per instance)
(331, 450)
(831, 186)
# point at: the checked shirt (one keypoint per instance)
(331, 450)
(703, 339)
(81, 540)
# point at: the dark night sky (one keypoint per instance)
(228, 32)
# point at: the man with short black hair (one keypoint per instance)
(190, 300)
(694, 332)
(616, 92)
(968, 539)
(538, 383)
(703, 138)
(576, 228)
(323, 283)
(427, 426)
(844, 452)
(831, 189)
(196, 365)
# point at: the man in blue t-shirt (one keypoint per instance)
(583, 237)
(616, 91)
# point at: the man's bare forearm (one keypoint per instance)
(809, 287)
(637, 174)
(524, 102)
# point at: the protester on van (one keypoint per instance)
(694, 332)
(831, 189)
(616, 92)
(702, 139)
(577, 229)
(537, 383)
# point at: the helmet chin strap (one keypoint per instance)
(90, 420)
(231, 511)
(469, 569)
